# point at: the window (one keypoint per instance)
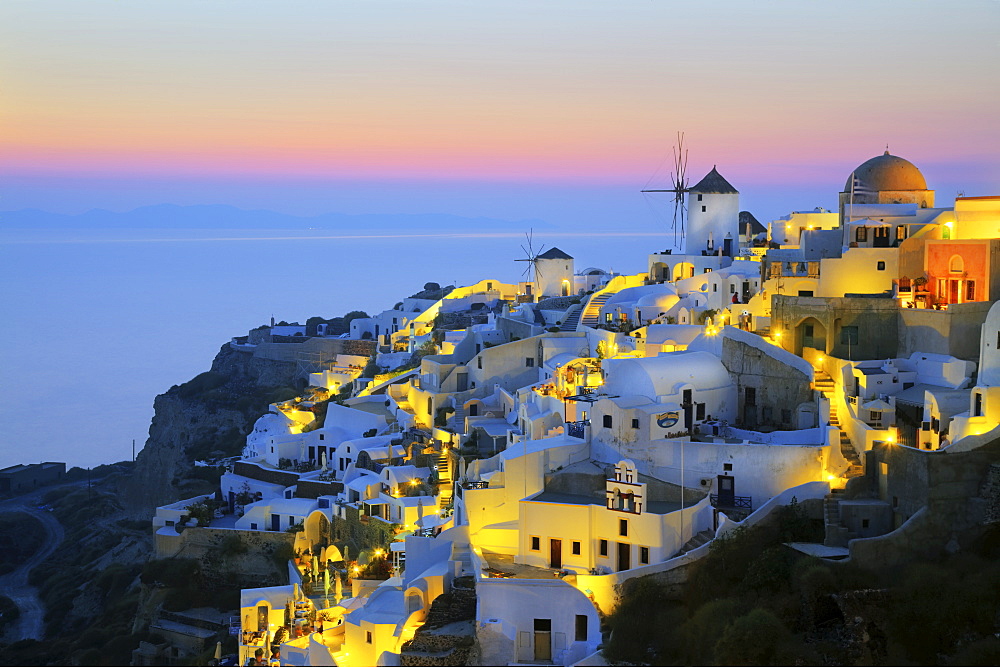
(170, 523)
(703, 209)
(861, 234)
(699, 411)
(253, 526)
(536, 543)
(607, 317)
(880, 266)
(623, 527)
(875, 416)
(644, 555)
(864, 523)
(727, 467)
(900, 232)
(479, 362)
(699, 197)
(322, 436)
(750, 396)
(732, 289)
(529, 362)
(635, 423)
(368, 637)
(581, 628)
(602, 548)
(970, 290)
(849, 335)
(808, 330)
(977, 408)
(956, 265)
(715, 288)
(607, 421)
(576, 548)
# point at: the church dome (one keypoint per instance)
(887, 173)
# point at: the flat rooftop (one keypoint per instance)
(652, 506)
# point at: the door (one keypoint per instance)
(543, 639)
(262, 618)
(275, 522)
(688, 408)
(555, 554)
(624, 556)
(462, 382)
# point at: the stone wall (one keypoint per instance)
(254, 471)
(359, 536)
(235, 558)
(779, 388)
(941, 501)
(315, 489)
(954, 331)
(876, 318)
(447, 636)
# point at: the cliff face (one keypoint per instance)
(206, 417)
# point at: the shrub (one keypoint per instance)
(752, 639)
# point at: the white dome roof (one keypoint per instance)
(663, 301)
(663, 375)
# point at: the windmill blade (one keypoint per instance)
(538, 271)
(540, 250)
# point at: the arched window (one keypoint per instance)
(956, 264)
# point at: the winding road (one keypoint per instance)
(31, 624)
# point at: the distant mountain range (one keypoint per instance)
(171, 216)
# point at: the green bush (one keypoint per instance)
(752, 639)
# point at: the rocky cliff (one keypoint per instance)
(207, 417)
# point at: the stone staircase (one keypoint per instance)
(592, 313)
(835, 532)
(573, 318)
(702, 538)
(457, 419)
(445, 478)
(823, 383)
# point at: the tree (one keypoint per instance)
(431, 287)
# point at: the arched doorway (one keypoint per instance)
(810, 332)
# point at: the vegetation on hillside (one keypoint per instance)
(21, 535)
(754, 601)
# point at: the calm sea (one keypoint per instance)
(97, 323)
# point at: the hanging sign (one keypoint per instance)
(668, 419)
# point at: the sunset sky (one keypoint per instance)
(555, 110)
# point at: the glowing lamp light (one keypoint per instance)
(357, 569)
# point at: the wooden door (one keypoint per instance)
(624, 556)
(543, 639)
(555, 554)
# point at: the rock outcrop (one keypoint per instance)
(205, 417)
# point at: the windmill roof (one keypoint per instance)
(714, 183)
(755, 226)
(554, 253)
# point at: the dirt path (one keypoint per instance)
(14, 584)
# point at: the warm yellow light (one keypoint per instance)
(357, 569)
(379, 552)
(830, 478)
(819, 360)
(413, 481)
(777, 334)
